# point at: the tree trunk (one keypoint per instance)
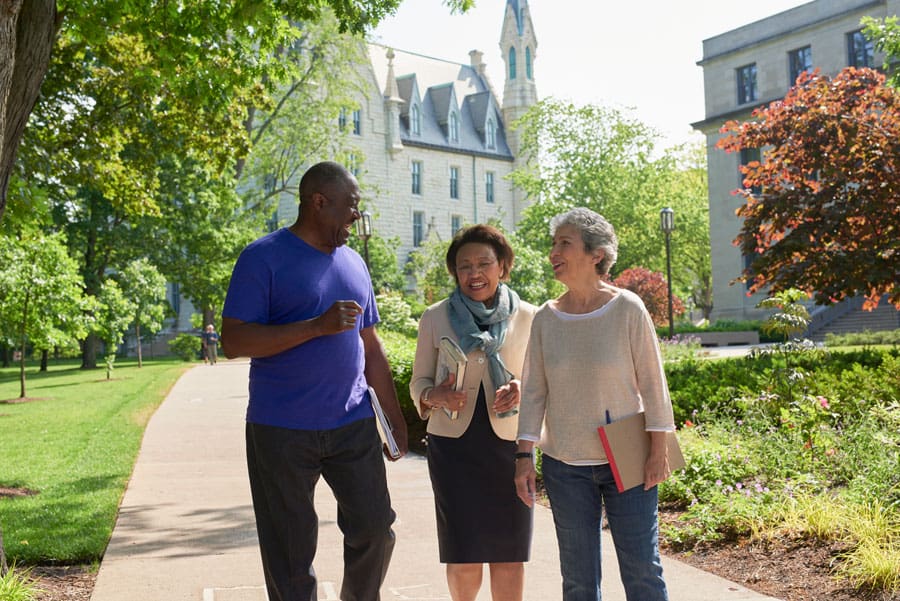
(209, 317)
(137, 333)
(45, 354)
(22, 346)
(4, 351)
(27, 32)
(89, 352)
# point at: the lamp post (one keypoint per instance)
(364, 231)
(667, 225)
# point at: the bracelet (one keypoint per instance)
(523, 455)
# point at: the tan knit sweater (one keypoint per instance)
(584, 370)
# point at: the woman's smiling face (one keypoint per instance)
(478, 272)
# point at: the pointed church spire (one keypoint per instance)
(518, 47)
(392, 102)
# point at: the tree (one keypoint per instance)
(885, 35)
(218, 39)
(604, 159)
(41, 295)
(111, 319)
(827, 218)
(145, 288)
(791, 318)
(651, 286)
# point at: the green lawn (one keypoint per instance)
(74, 443)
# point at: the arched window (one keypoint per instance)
(491, 134)
(454, 127)
(512, 62)
(528, 73)
(415, 120)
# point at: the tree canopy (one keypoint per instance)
(604, 159)
(822, 206)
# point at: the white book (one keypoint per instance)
(451, 359)
(385, 430)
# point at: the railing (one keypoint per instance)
(822, 316)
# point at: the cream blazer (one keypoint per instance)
(435, 323)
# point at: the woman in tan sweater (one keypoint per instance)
(472, 431)
(593, 358)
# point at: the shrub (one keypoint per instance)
(395, 314)
(185, 346)
(651, 287)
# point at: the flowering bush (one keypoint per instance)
(652, 288)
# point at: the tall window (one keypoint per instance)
(415, 120)
(489, 186)
(353, 163)
(746, 82)
(455, 224)
(418, 228)
(454, 182)
(860, 51)
(491, 134)
(528, 73)
(512, 62)
(748, 155)
(357, 122)
(342, 119)
(454, 127)
(799, 60)
(416, 177)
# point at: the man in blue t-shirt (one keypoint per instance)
(300, 304)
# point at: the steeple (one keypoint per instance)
(392, 102)
(518, 47)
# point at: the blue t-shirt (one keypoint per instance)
(317, 385)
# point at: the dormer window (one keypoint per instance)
(490, 134)
(453, 127)
(512, 62)
(415, 120)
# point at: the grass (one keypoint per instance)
(73, 444)
(18, 585)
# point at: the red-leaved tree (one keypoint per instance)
(822, 210)
(653, 289)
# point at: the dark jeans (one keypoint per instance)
(284, 466)
(577, 495)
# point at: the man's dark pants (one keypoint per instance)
(284, 466)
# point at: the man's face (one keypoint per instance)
(340, 211)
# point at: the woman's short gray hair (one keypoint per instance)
(596, 232)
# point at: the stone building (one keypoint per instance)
(752, 66)
(435, 146)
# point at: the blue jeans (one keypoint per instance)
(577, 495)
(284, 466)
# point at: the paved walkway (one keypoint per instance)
(185, 530)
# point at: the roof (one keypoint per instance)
(439, 82)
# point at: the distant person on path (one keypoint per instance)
(593, 358)
(210, 345)
(471, 459)
(301, 305)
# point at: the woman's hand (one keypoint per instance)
(656, 470)
(507, 397)
(525, 480)
(445, 397)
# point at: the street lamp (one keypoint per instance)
(667, 225)
(364, 231)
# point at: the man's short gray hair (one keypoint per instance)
(596, 232)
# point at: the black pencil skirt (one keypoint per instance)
(479, 517)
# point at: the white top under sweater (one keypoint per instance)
(579, 369)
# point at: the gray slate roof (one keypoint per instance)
(443, 85)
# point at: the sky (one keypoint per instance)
(636, 55)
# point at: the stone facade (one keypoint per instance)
(823, 29)
(439, 124)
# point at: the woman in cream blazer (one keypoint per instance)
(471, 458)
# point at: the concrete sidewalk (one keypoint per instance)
(186, 532)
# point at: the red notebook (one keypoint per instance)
(627, 445)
